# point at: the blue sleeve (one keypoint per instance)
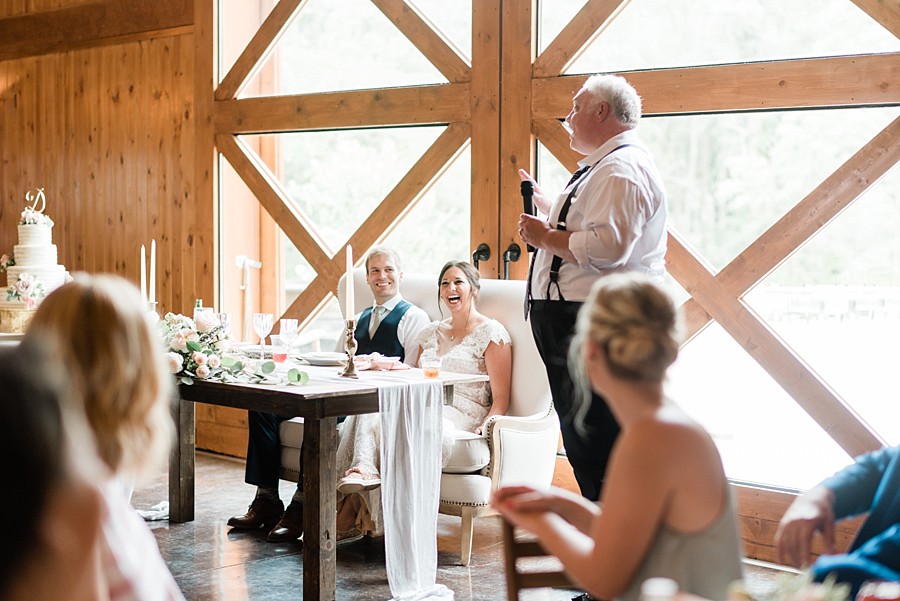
(855, 486)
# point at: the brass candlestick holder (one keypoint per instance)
(351, 345)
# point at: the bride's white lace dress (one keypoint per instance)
(360, 437)
(471, 402)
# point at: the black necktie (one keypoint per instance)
(572, 180)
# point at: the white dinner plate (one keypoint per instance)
(324, 358)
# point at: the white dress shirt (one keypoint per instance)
(617, 219)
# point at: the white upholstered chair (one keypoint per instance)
(519, 447)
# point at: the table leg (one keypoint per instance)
(181, 463)
(319, 508)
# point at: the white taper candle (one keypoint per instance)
(144, 273)
(153, 270)
(349, 311)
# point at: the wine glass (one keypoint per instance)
(262, 325)
(288, 331)
(225, 320)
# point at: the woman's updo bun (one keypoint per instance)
(635, 322)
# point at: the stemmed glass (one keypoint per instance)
(288, 332)
(262, 325)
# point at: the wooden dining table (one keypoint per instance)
(320, 402)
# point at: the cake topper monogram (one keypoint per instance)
(35, 198)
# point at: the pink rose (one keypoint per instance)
(202, 371)
(179, 340)
(199, 358)
(175, 361)
(206, 320)
(26, 284)
(213, 361)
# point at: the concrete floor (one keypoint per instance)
(212, 562)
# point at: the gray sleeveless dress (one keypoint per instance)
(703, 563)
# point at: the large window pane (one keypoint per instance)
(837, 303)
(723, 388)
(729, 177)
(653, 34)
(355, 47)
(337, 178)
(436, 230)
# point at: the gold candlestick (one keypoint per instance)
(351, 345)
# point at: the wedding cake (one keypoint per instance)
(33, 270)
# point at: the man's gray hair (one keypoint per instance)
(623, 99)
(386, 251)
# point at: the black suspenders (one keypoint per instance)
(556, 263)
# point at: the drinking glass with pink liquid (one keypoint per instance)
(279, 349)
(431, 365)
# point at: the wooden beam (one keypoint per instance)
(860, 80)
(518, 49)
(885, 12)
(253, 55)
(92, 24)
(576, 36)
(823, 404)
(276, 201)
(786, 236)
(427, 38)
(204, 202)
(436, 104)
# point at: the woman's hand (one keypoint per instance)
(523, 499)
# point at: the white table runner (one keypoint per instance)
(411, 422)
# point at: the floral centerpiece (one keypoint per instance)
(27, 289)
(198, 350)
(195, 350)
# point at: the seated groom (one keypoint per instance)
(389, 327)
(870, 485)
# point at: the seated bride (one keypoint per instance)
(466, 342)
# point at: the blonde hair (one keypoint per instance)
(115, 366)
(636, 325)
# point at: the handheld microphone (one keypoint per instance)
(527, 189)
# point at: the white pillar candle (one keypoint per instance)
(144, 273)
(153, 270)
(348, 285)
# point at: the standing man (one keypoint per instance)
(610, 217)
(388, 327)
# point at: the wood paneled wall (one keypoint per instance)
(108, 132)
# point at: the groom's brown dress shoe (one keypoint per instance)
(289, 527)
(262, 513)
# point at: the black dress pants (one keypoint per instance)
(588, 448)
(264, 450)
